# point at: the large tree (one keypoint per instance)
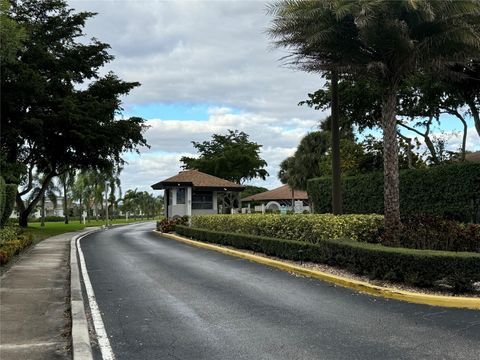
(423, 99)
(391, 40)
(51, 124)
(319, 41)
(232, 156)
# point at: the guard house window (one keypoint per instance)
(202, 200)
(180, 196)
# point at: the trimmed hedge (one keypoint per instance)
(416, 267)
(451, 191)
(308, 227)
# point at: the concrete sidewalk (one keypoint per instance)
(35, 307)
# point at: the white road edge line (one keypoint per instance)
(103, 341)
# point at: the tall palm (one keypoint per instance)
(319, 41)
(390, 41)
(66, 181)
(404, 37)
(114, 184)
(131, 202)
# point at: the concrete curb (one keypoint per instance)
(361, 286)
(81, 347)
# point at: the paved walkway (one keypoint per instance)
(35, 307)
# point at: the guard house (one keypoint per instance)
(274, 200)
(192, 192)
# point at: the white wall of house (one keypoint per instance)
(177, 208)
(275, 206)
(179, 205)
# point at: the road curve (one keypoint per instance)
(162, 299)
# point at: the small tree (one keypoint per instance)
(232, 157)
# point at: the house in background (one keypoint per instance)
(192, 192)
(277, 199)
(51, 209)
(473, 157)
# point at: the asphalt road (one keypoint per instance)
(161, 299)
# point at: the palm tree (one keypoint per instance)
(131, 202)
(51, 192)
(67, 181)
(114, 184)
(388, 40)
(319, 41)
(305, 163)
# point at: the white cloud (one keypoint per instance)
(203, 52)
(213, 52)
(171, 139)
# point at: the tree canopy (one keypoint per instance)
(232, 157)
(57, 112)
(387, 41)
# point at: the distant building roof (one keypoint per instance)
(197, 179)
(473, 157)
(282, 193)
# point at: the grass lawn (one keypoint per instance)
(55, 228)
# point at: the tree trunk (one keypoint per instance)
(65, 199)
(22, 219)
(431, 148)
(464, 139)
(393, 223)
(336, 171)
(42, 213)
(25, 211)
(475, 114)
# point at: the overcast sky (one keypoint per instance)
(205, 67)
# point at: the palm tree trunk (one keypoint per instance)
(393, 223)
(336, 171)
(65, 198)
(42, 212)
(475, 114)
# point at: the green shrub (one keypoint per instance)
(168, 225)
(309, 228)
(416, 267)
(451, 191)
(435, 233)
(12, 242)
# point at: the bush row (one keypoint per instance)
(416, 267)
(309, 228)
(435, 233)
(12, 242)
(451, 191)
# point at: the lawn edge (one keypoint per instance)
(360, 286)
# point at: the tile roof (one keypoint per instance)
(282, 193)
(196, 178)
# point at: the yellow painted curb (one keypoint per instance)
(435, 300)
